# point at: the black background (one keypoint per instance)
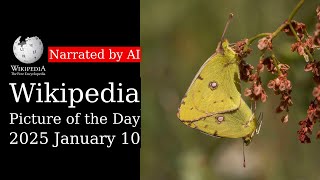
(79, 24)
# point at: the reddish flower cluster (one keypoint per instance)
(265, 43)
(299, 27)
(305, 46)
(245, 71)
(314, 67)
(268, 63)
(256, 91)
(313, 113)
(242, 49)
(316, 93)
(306, 125)
(301, 46)
(281, 85)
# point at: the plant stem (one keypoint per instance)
(306, 33)
(276, 32)
(295, 10)
(298, 39)
(280, 28)
(294, 32)
(258, 36)
(276, 63)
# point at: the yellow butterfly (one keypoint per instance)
(213, 103)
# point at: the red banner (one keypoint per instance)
(67, 54)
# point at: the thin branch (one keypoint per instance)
(280, 28)
(298, 39)
(258, 36)
(295, 10)
(276, 63)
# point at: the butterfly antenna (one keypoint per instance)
(219, 48)
(244, 156)
(226, 26)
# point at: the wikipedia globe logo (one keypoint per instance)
(28, 51)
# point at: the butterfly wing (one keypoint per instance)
(234, 124)
(215, 89)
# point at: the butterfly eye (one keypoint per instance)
(213, 85)
(220, 119)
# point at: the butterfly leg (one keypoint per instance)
(253, 107)
(260, 123)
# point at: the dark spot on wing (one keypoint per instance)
(231, 97)
(206, 126)
(221, 100)
(215, 133)
(200, 78)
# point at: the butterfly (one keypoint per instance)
(213, 102)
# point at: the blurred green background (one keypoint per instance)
(176, 38)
